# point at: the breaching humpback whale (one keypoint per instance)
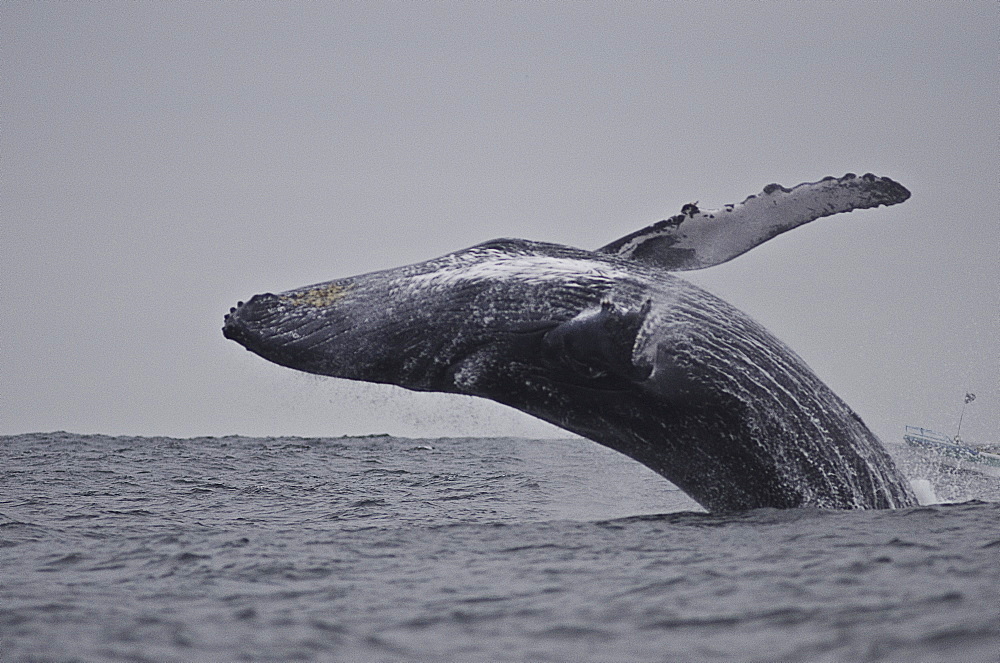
(610, 345)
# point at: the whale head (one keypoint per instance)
(461, 323)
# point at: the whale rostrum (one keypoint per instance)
(610, 345)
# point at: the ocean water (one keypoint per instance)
(385, 549)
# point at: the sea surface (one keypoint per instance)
(388, 549)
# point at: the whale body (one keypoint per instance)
(609, 344)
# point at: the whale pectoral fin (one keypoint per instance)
(594, 349)
(698, 238)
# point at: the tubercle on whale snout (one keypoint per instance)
(251, 322)
(262, 326)
(230, 329)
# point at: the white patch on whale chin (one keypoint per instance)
(519, 267)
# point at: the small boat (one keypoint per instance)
(954, 452)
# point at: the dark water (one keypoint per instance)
(381, 548)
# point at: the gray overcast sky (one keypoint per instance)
(162, 160)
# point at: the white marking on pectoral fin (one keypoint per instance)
(698, 238)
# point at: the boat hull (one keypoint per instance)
(943, 449)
